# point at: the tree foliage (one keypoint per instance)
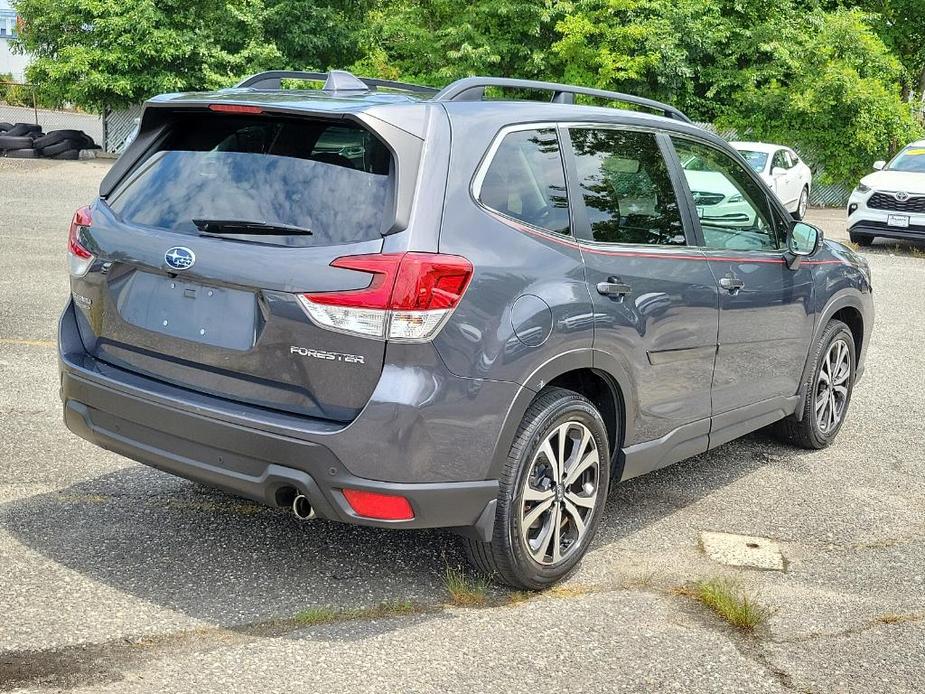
(830, 77)
(98, 53)
(437, 41)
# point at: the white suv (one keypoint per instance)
(891, 201)
(784, 172)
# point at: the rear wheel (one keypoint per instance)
(828, 393)
(552, 493)
(861, 239)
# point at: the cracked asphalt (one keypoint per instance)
(118, 578)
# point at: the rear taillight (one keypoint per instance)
(79, 258)
(410, 297)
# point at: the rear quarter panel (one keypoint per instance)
(523, 277)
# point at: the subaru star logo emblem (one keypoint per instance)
(179, 258)
(902, 196)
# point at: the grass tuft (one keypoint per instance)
(328, 615)
(388, 608)
(895, 618)
(519, 596)
(730, 602)
(316, 615)
(466, 590)
(572, 590)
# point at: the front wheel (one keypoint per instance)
(828, 393)
(552, 493)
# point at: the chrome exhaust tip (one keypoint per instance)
(302, 508)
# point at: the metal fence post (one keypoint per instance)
(105, 142)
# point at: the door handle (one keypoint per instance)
(613, 287)
(731, 284)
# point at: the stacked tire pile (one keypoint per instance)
(27, 141)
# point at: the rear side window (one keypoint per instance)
(335, 179)
(525, 180)
(626, 187)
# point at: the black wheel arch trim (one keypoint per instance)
(846, 298)
(609, 366)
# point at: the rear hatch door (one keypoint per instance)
(210, 238)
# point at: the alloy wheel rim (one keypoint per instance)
(559, 493)
(832, 386)
(803, 204)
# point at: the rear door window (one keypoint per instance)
(334, 179)
(626, 187)
(525, 180)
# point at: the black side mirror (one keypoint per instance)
(803, 241)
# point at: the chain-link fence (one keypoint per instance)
(118, 127)
(20, 104)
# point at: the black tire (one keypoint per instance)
(5, 126)
(15, 142)
(861, 239)
(56, 136)
(507, 557)
(29, 129)
(807, 433)
(60, 146)
(68, 154)
(23, 154)
(802, 205)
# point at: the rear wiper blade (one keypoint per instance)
(219, 227)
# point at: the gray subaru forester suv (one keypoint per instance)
(383, 304)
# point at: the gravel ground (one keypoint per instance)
(115, 577)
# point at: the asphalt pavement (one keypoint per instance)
(118, 578)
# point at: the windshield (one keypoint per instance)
(910, 159)
(331, 179)
(756, 160)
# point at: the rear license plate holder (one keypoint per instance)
(215, 316)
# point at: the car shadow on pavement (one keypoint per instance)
(227, 561)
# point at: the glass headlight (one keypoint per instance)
(862, 188)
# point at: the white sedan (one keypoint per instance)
(783, 171)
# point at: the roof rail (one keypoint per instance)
(335, 81)
(473, 89)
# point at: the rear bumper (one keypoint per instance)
(189, 435)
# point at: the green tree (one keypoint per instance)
(835, 96)
(317, 34)
(901, 25)
(822, 81)
(99, 53)
(437, 41)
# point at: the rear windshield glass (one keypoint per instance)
(334, 179)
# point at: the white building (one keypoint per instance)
(10, 62)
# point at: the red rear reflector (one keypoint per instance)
(379, 506)
(235, 108)
(81, 219)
